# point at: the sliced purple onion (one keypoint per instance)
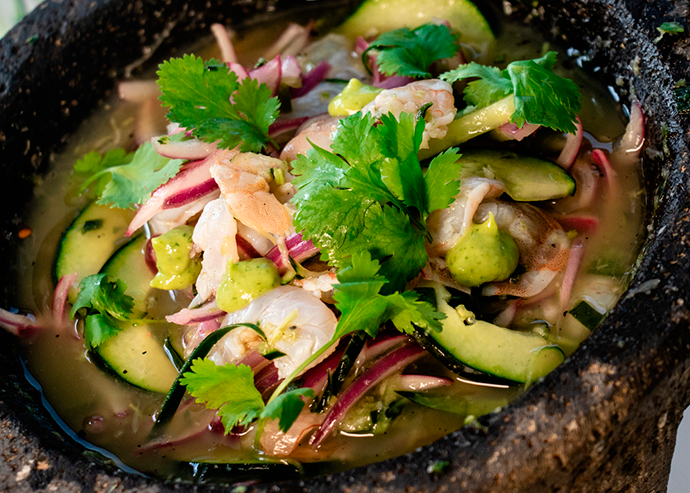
(507, 315)
(255, 361)
(293, 34)
(572, 147)
(189, 195)
(245, 249)
(18, 325)
(239, 70)
(586, 181)
(392, 82)
(266, 380)
(227, 50)
(292, 72)
(138, 91)
(602, 161)
(418, 383)
(283, 126)
(316, 377)
(581, 224)
(577, 252)
(361, 45)
(385, 341)
(195, 316)
(270, 74)
(311, 79)
(510, 131)
(189, 150)
(150, 257)
(393, 362)
(190, 177)
(298, 249)
(60, 298)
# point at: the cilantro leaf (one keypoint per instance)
(541, 97)
(412, 52)
(364, 308)
(94, 162)
(286, 407)
(133, 183)
(355, 141)
(672, 28)
(229, 389)
(442, 180)
(207, 98)
(103, 302)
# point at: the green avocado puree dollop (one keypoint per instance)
(353, 98)
(244, 281)
(176, 270)
(483, 254)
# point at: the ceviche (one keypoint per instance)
(303, 256)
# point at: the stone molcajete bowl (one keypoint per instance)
(605, 420)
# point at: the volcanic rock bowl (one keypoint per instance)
(605, 420)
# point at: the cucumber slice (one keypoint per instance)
(136, 354)
(138, 357)
(128, 265)
(526, 178)
(505, 353)
(89, 241)
(378, 16)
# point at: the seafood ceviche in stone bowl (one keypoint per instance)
(295, 253)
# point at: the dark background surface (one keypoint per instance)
(605, 420)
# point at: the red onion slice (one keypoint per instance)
(298, 249)
(270, 74)
(266, 380)
(312, 79)
(227, 50)
(361, 45)
(316, 377)
(255, 361)
(418, 383)
(581, 224)
(506, 317)
(388, 365)
(190, 195)
(239, 70)
(189, 150)
(571, 148)
(150, 257)
(188, 179)
(385, 341)
(60, 298)
(293, 34)
(138, 91)
(18, 325)
(195, 316)
(292, 72)
(602, 161)
(577, 252)
(587, 183)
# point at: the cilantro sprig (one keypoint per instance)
(103, 303)
(124, 185)
(371, 194)
(207, 98)
(541, 97)
(230, 389)
(411, 52)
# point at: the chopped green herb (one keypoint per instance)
(437, 467)
(541, 97)
(103, 302)
(207, 98)
(411, 53)
(671, 28)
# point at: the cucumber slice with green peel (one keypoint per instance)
(526, 178)
(137, 353)
(138, 357)
(90, 241)
(128, 265)
(505, 353)
(378, 16)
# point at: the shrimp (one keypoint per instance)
(542, 243)
(244, 184)
(411, 98)
(214, 234)
(318, 130)
(448, 225)
(295, 322)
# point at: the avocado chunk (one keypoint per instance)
(526, 178)
(378, 16)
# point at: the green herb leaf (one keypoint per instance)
(411, 53)
(94, 162)
(103, 302)
(229, 389)
(133, 183)
(286, 407)
(207, 98)
(442, 180)
(541, 97)
(672, 28)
